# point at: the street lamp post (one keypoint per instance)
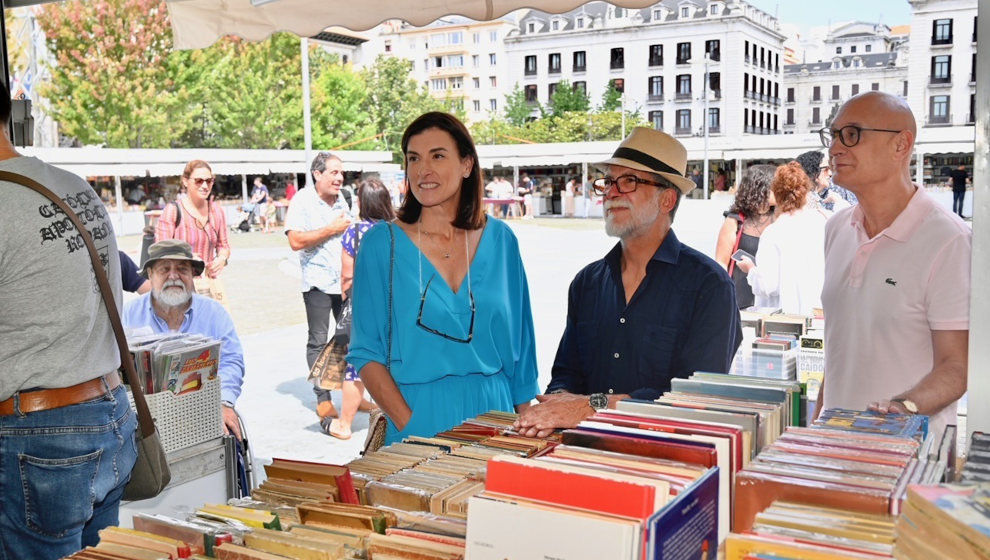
(307, 125)
(705, 123)
(623, 98)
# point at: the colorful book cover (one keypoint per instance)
(687, 527)
(868, 421)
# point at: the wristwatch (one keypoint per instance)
(598, 401)
(908, 404)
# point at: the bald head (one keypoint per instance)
(885, 110)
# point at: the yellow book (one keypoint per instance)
(257, 518)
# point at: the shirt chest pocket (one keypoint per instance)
(655, 354)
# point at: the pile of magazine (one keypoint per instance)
(176, 362)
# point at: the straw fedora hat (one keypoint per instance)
(175, 249)
(653, 151)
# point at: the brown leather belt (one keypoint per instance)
(46, 399)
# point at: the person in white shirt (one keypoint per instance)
(791, 265)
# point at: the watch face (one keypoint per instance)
(599, 401)
(908, 405)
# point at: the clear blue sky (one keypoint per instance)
(807, 13)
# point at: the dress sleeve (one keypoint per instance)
(369, 330)
(764, 278)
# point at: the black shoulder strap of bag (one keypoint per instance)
(144, 415)
(178, 213)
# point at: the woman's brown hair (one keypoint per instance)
(790, 187)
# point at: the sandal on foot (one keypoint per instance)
(326, 409)
(327, 425)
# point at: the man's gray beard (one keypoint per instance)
(641, 218)
(168, 297)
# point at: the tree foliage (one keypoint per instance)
(611, 98)
(517, 109)
(341, 117)
(567, 98)
(395, 99)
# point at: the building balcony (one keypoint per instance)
(746, 59)
(448, 71)
(616, 65)
(789, 102)
(936, 42)
(816, 99)
(939, 82)
(683, 96)
(529, 72)
(656, 61)
(715, 56)
(714, 130)
(552, 71)
(449, 49)
(579, 68)
(717, 93)
(790, 124)
(938, 120)
(775, 101)
(683, 61)
(815, 124)
(654, 98)
(679, 131)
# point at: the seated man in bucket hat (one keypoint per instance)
(173, 305)
(653, 309)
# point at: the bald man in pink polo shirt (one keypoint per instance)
(897, 274)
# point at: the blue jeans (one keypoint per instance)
(62, 473)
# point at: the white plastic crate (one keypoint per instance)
(188, 419)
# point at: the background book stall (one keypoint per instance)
(179, 374)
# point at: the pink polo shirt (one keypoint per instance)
(884, 296)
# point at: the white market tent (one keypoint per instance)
(199, 23)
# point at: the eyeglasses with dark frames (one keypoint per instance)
(623, 184)
(419, 317)
(849, 135)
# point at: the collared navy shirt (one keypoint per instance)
(682, 319)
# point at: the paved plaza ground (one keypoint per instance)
(262, 280)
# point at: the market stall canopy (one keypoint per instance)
(198, 24)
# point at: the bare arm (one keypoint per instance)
(346, 272)
(299, 240)
(726, 241)
(386, 393)
(945, 384)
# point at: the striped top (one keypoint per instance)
(205, 241)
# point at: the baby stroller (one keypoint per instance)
(244, 219)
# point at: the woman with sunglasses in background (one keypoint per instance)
(457, 331)
(195, 219)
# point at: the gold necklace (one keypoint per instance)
(444, 252)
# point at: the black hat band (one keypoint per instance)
(645, 159)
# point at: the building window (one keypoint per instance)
(617, 59)
(493, 104)
(685, 11)
(838, 50)
(790, 95)
(580, 86)
(477, 83)
(713, 9)
(972, 74)
(683, 121)
(852, 49)
(868, 48)
(531, 27)
(875, 86)
(619, 84)
(816, 93)
(714, 50)
(905, 89)
(579, 61)
(941, 69)
(477, 105)
(855, 89)
(714, 120)
(942, 32)
(938, 110)
(683, 53)
(476, 37)
(971, 118)
(555, 25)
(790, 116)
(656, 55)
(438, 84)
(975, 27)
(388, 46)
(457, 83)
(657, 16)
(816, 115)
(835, 92)
(531, 93)
(656, 119)
(493, 36)
(491, 59)
(579, 23)
(715, 84)
(475, 61)
(492, 82)
(684, 86)
(655, 91)
(551, 89)
(554, 63)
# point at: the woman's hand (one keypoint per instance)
(216, 266)
(745, 264)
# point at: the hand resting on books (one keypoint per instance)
(559, 410)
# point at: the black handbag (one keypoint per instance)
(342, 332)
(150, 474)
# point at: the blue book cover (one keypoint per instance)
(870, 422)
(687, 527)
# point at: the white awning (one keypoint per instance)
(199, 23)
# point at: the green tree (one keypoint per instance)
(517, 109)
(611, 99)
(567, 98)
(395, 98)
(340, 110)
(108, 80)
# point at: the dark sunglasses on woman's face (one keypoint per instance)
(198, 181)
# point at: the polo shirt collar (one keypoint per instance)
(906, 223)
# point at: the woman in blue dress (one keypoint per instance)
(455, 339)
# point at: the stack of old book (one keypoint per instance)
(855, 460)
(945, 521)
(176, 362)
(792, 530)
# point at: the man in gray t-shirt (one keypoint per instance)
(62, 476)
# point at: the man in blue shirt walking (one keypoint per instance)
(653, 309)
(173, 305)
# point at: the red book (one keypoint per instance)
(574, 486)
(659, 447)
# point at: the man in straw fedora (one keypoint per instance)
(652, 309)
(173, 305)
